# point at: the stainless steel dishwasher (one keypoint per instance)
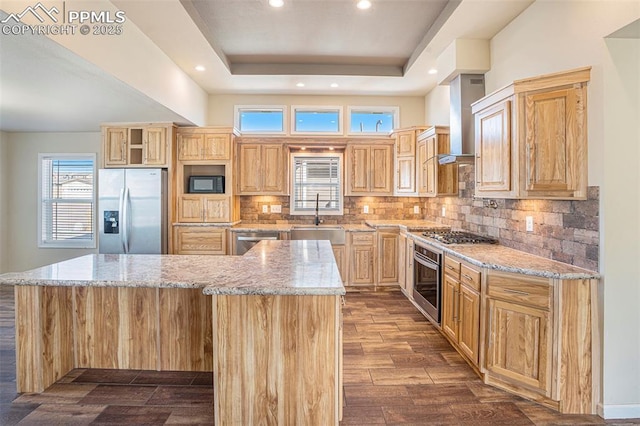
(246, 240)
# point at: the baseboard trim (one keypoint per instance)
(626, 411)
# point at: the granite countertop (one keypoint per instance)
(502, 258)
(286, 227)
(269, 268)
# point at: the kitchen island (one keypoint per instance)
(266, 324)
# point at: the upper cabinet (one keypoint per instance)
(405, 160)
(435, 179)
(531, 138)
(369, 169)
(137, 145)
(195, 146)
(262, 169)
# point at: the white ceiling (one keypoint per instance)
(246, 47)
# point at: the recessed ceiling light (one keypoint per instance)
(433, 71)
(363, 4)
(330, 148)
(276, 3)
(334, 84)
(300, 84)
(200, 68)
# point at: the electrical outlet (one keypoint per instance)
(365, 210)
(444, 211)
(529, 223)
(416, 209)
(276, 208)
(265, 209)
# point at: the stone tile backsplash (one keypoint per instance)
(567, 231)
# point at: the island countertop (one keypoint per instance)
(270, 268)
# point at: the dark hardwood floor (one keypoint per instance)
(398, 369)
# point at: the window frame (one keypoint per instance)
(77, 244)
(373, 109)
(292, 209)
(238, 109)
(317, 108)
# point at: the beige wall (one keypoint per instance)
(22, 157)
(436, 106)
(552, 36)
(221, 107)
(4, 178)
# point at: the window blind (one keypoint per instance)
(317, 177)
(67, 202)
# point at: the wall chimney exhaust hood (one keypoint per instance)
(465, 89)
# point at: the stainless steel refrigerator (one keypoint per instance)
(132, 211)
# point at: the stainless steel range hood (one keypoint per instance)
(465, 89)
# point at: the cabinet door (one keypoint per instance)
(406, 172)
(200, 240)
(339, 253)
(450, 306)
(406, 143)
(381, 170)
(190, 147)
(421, 168)
(273, 168)
(493, 148)
(551, 131)
(469, 322)
(190, 208)
(115, 151)
(519, 347)
(358, 169)
(409, 262)
(216, 208)
(387, 257)
(216, 147)
(362, 265)
(155, 146)
(250, 179)
(402, 261)
(431, 168)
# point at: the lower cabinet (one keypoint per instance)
(388, 256)
(199, 240)
(362, 253)
(339, 252)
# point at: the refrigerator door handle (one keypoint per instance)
(127, 216)
(123, 220)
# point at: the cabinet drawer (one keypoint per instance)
(523, 289)
(452, 267)
(200, 240)
(470, 277)
(362, 238)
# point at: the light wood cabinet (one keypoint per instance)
(200, 240)
(262, 169)
(137, 145)
(531, 138)
(405, 161)
(388, 256)
(369, 170)
(461, 307)
(340, 253)
(435, 179)
(196, 145)
(204, 208)
(362, 255)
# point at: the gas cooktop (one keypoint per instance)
(447, 236)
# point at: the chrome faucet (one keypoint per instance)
(317, 219)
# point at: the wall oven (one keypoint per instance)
(427, 280)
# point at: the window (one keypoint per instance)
(372, 120)
(316, 178)
(317, 120)
(260, 119)
(66, 200)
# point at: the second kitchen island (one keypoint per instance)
(268, 324)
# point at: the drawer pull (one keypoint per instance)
(509, 290)
(467, 277)
(451, 267)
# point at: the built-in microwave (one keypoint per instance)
(206, 184)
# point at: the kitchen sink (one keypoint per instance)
(335, 234)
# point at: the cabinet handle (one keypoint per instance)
(467, 277)
(451, 267)
(509, 290)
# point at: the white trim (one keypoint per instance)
(318, 108)
(238, 108)
(69, 243)
(393, 109)
(624, 411)
(292, 210)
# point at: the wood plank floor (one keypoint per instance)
(398, 370)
